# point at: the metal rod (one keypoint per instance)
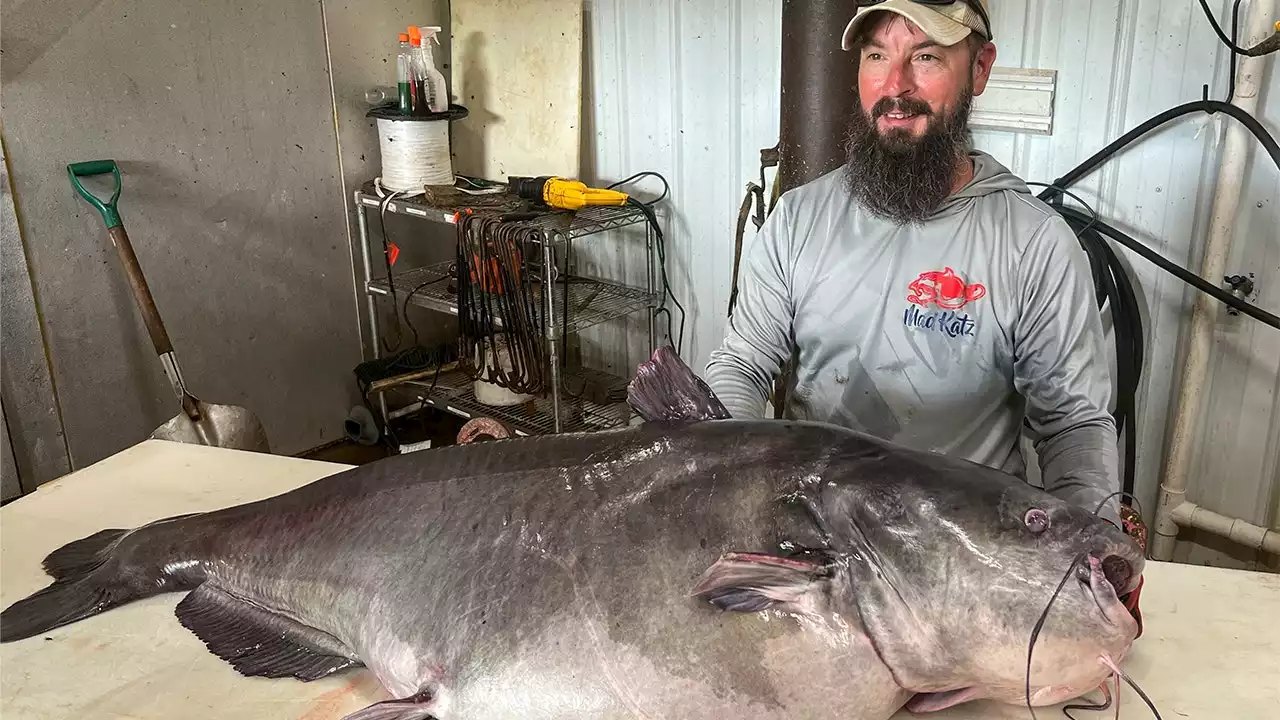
(648, 243)
(564, 327)
(553, 340)
(375, 337)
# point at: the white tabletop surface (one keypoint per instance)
(1211, 647)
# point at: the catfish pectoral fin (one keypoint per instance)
(417, 707)
(750, 582)
(665, 389)
(258, 642)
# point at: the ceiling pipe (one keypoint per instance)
(1235, 155)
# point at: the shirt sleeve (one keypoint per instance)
(758, 337)
(1061, 369)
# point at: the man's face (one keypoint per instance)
(905, 80)
(908, 132)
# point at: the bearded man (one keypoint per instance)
(927, 297)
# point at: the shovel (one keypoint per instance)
(199, 423)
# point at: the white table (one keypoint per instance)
(1211, 648)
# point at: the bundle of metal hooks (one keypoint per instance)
(500, 319)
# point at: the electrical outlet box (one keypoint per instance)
(1017, 100)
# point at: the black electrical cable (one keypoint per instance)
(651, 217)
(1186, 276)
(1206, 106)
(1113, 287)
(421, 286)
(1110, 278)
(1263, 48)
(1231, 64)
(666, 188)
(391, 281)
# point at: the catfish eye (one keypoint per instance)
(1037, 520)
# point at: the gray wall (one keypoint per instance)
(222, 118)
(362, 45)
(36, 448)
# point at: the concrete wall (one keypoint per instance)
(37, 447)
(690, 89)
(222, 117)
(362, 47)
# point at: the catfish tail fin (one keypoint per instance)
(89, 577)
(61, 603)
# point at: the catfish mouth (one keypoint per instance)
(1118, 572)
(1107, 580)
(1115, 570)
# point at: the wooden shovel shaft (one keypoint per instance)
(141, 293)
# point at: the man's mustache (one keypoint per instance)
(912, 106)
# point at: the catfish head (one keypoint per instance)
(949, 568)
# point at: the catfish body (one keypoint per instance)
(533, 578)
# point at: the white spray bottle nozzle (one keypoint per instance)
(432, 32)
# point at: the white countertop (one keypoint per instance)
(1211, 647)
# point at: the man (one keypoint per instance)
(928, 297)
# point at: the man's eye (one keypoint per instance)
(928, 58)
(873, 56)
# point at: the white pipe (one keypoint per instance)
(1225, 203)
(1252, 536)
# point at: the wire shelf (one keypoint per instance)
(444, 205)
(454, 393)
(591, 301)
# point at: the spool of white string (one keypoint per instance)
(414, 153)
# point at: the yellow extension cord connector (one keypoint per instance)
(564, 194)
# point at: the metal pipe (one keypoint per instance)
(1255, 537)
(553, 340)
(819, 80)
(649, 284)
(363, 222)
(1235, 156)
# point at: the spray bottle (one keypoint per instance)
(417, 73)
(433, 81)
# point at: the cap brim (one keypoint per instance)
(939, 28)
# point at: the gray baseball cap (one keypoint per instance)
(944, 24)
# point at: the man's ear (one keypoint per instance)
(982, 65)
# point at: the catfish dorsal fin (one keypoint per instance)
(665, 389)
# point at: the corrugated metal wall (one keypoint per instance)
(690, 89)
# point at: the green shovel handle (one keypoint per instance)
(110, 215)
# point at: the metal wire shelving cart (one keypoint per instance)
(567, 406)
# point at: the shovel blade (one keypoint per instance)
(224, 426)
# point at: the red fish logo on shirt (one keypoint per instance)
(944, 289)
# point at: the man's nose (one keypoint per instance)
(899, 81)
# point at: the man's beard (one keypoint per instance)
(897, 176)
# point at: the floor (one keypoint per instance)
(439, 427)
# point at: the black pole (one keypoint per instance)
(818, 84)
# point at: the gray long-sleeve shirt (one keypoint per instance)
(944, 336)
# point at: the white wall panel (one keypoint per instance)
(690, 89)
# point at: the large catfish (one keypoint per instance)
(694, 566)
